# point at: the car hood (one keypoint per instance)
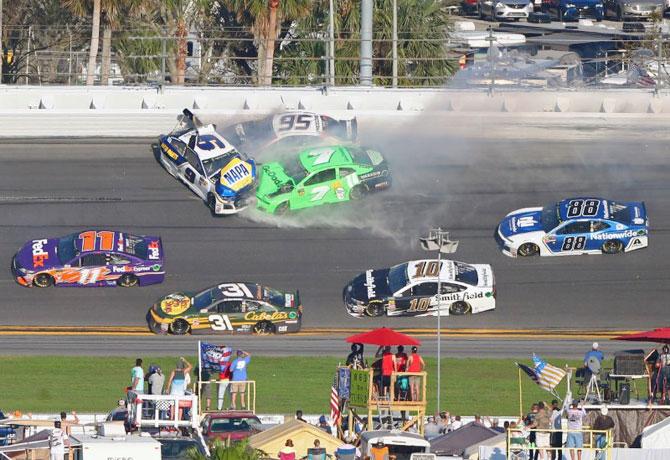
(371, 285)
(272, 177)
(39, 254)
(516, 2)
(521, 221)
(237, 174)
(583, 3)
(175, 304)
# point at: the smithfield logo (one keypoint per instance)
(370, 283)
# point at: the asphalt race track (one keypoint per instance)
(51, 188)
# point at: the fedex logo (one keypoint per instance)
(39, 254)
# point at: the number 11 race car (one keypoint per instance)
(233, 308)
(90, 258)
(208, 164)
(410, 289)
(575, 226)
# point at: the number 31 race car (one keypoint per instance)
(90, 258)
(234, 308)
(574, 226)
(410, 289)
(208, 164)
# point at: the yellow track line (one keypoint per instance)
(470, 333)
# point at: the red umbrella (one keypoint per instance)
(661, 335)
(383, 337)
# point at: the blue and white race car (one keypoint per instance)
(208, 164)
(575, 226)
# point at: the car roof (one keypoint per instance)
(315, 158)
(232, 414)
(447, 273)
(205, 154)
(119, 244)
(603, 209)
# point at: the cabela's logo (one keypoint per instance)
(276, 316)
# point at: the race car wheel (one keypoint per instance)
(211, 204)
(460, 308)
(528, 250)
(281, 209)
(264, 328)
(128, 280)
(374, 309)
(43, 280)
(612, 247)
(357, 192)
(180, 327)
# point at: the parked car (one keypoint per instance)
(504, 9)
(573, 10)
(469, 7)
(234, 424)
(634, 9)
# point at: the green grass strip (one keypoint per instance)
(284, 384)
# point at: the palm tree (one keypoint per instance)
(80, 8)
(265, 18)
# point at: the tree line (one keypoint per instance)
(259, 42)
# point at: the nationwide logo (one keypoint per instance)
(370, 284)
(614, 235)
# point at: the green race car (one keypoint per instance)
(321, 175)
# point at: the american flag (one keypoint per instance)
(334, 404)
(529, 372)
(548, 376)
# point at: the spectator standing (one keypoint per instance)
(455, 424)
(287, 452)
(529, 422)
(355, 358)
(415, 364)
(224, 382)
(575, 438)
(379, 451)
(204, 389)
(137, 377)
(238, 370)
(323, 425)
(596, 355)
(401, 359)
(57, 439)
(177, 381)
(543, 424)
(602, 423)
(444, 422)
(156, 381)
(432, 429)
(663, 374)
(298, 416)
(67, 425)
(556, 439)
(388, 367)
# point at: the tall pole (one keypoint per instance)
(2, 48)
(395, 43)
(439, 316)
(331, 57)
(366, 43)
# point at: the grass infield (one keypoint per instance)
(284, 384)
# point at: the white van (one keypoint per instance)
(92, 447)
(400, 443)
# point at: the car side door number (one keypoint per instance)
(220, 322)
(190, 175)
(319, 192)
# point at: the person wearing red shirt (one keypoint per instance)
(388, 367)
(224, 380)
(415, 364)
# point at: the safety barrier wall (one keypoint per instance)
(146, 111)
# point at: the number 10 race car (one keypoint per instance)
(233, 308)
(575, 226)
(410, 289)
(90, 258)
(208, 164)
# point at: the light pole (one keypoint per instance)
(438, 240)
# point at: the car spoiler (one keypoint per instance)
(298, 304)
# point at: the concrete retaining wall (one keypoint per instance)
(146, 111)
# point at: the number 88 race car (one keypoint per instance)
(575, 226)
(210, 166)
(233, 308)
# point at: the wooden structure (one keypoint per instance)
(248, 397)
(406, 398)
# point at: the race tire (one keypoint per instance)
(180, 327)
(374, 309)
(264, 328)
(356, 193)
(282, 208)
(619, 13)
(612, 247)
(460, 308)
(528, 250)
(128, 280)
(43, 280)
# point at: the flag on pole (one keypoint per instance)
(548, 376)
(529, 372)
(214, 357)
(334, 403)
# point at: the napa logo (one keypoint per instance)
(236, 174)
